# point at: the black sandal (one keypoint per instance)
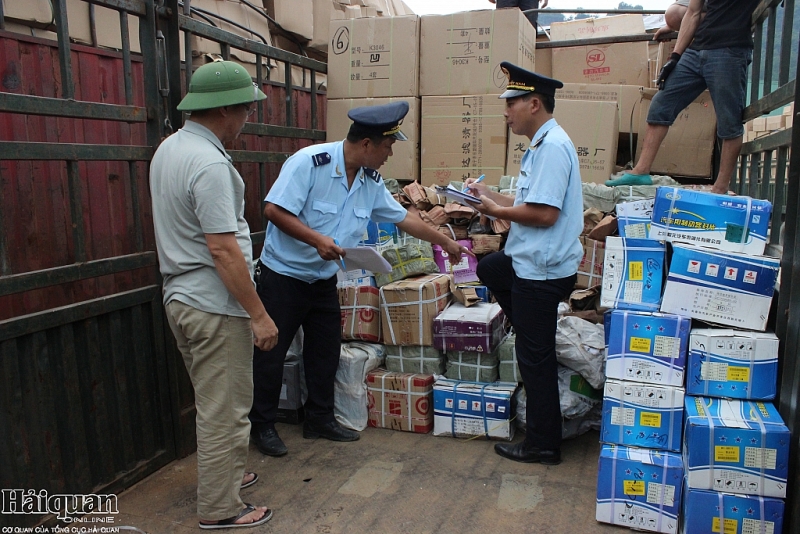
(231, 521)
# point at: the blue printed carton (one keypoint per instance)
(633, 272)
(633, 218)
(379, 235)
(646, 347)
(724, 222)
(735, 446)
(720, 287)
(639, 488)
(642, 415)
(709, 511)
(468, 409)
(732, 363)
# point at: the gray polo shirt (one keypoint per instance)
(195, 191)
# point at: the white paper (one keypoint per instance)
(459, 196)
(365, 258)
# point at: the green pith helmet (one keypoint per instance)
(219, 84)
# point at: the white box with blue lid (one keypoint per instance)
(633, 218)
(732, 363)
(466, 409)
(735, 446)
(639, 488)
(720, 287)
(633, 272)
(646, 347)
(707, 511)
(724, 222)
(642, 415)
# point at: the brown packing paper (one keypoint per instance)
(591, 217)
(484, 243)
(409, 306)
(360, 311)
(590, 271)
(606, 227)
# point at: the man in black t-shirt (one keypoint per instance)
(713, 53)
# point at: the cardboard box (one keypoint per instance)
(360, 313)
(759, 124)
(374, 57)
(592, 28)
(466, 409)
(776, 122)
(689, 146)
(293, 16)
(748, 441)
(403, 164)
(478, 328)
(593, 128)
(400, 401)
(616, 63)
(590, 271)
(356, 277)
(425, 360)
(646, 347)
(709, 511)
(733, 364)
(461, 52)
(633, 273)
(642, 415)
(324, 12)
(733, 224)
(720, 287)
(633, 218)
(627, 98)
(409, 306)
(515, 149)
(290, 404)
(639, 488)
(544, 61)
(462, 137)
(464, 270)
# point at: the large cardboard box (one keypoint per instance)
(736, 446)
(646, 347)
(732, 363)
(515, 149)
(633, 218)
(592, 28)
(360, 313)
(293, 16)
(642, 415)
(467, 409)
(544, 61)
(627, 98)
(593, 128)
(689, 146)
(478, 328)
(633, 273)
(639, 488)
(710, 511)
(720, 287)
(409, 306)
(400, 401)
(324, 12)
(373, 57)
(616, 63)
(733, 224)
(461, 52)
(462, 137)
(403, 164)
(590, 271)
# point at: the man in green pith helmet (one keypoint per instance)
(205, 256)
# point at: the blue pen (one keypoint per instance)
(479, 180)
(344, 269)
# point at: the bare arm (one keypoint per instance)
(689, 25)
(235, 274)
(289, 224)
(479, 189)
(527, 214)
(415, 226)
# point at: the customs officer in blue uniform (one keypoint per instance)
(321, 203)
(538, 267)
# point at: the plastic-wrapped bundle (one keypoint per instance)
(407, 260)
(507, 355)
(576, 395)
(580, 346)
(472, 366)
(415, 359)
(570, 428)
(350, 405)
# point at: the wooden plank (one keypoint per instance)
(39, 105)
(74, 152)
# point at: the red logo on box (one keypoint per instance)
(595, 58)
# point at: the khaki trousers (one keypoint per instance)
(218, 353)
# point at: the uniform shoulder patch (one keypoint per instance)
(539, 141)
(323, 158)
(373, 174)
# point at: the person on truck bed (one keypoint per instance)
(205, 257)
(538, 267)
(523, 5)
(320, 204)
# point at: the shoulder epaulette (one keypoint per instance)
(323, 158)
(372, 173)
(539, 141)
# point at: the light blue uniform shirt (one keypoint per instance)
(313, 186)
(549, 174)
